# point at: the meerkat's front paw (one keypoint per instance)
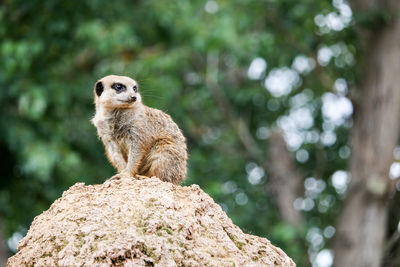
(115, 177)
(121, 175)
(125, 175)
(140, 177)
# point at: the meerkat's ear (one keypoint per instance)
(99, 88)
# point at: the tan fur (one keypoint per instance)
(138, 140)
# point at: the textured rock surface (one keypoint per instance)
(147, 222)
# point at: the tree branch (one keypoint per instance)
(233, 119)
(285, 181)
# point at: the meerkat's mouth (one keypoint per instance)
(129, 101)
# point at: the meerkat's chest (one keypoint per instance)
(124, 147)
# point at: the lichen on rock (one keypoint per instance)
(148, 222)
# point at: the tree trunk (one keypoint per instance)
(362, 225)
(3, 246)
(285, 182)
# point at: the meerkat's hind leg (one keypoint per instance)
(166, 163)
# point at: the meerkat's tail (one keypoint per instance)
(165, 161)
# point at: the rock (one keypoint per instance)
(148, 222)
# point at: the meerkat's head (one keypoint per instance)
(117, 92)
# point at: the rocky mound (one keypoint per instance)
(147, 222)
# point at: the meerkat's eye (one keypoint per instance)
(119, 87)
(135, 88)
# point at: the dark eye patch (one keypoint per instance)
(99, 88)
(119, 87)
(135, 88)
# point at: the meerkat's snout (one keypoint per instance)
(132, 99)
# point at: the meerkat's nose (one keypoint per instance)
(133, 98)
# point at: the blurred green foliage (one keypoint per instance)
(52, 52)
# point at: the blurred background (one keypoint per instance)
(290, 109)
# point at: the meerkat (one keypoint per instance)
(139, 140)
